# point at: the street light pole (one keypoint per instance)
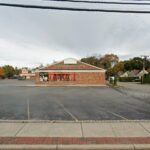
(144, 60)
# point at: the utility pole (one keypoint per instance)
(144, 61)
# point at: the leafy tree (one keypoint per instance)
(134, 63)
(17, 71)
(9, 71)
(111, 63)
(2, 72)
(114, 71)
(104, 62)
(147, 64)
(93, 60)
(109, 60)
(127, 65)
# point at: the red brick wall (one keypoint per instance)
(80, 78)
(37, 78)
(90, 78)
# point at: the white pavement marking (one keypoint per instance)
(117, 115)
(67, 111)
(28, 108)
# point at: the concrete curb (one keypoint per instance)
(71, 121)
(67, 86)
(78, 147)
(63, 85)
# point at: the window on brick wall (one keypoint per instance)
(61, 76)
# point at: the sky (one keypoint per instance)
(30, 37)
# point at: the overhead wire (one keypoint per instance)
(101, 2)
(74, 8)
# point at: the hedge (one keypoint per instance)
(129, 79)
(146, 78)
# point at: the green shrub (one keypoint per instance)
(128, 79)
(146, 78)
(115, 81)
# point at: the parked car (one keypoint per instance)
(21, 78)
(15, 77)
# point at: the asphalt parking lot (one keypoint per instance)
(72, 103)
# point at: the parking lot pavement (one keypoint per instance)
(136, 86)
(15, 82)
(70, 103)
(135, 90)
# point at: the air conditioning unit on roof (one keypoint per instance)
(70, 61)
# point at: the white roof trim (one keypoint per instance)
(70, 71)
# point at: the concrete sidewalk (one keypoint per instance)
(75, 135)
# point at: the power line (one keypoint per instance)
(100, 2)
(73, 8)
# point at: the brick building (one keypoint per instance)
(70, 72)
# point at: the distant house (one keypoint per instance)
(142, 72)
(70, 72)
(120, 73)
(24, 71)
(27, 73)
(132, 73)
(125, 74)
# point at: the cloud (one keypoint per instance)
(29, 37)
(29, 55)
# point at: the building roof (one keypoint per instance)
(142, 72)
(133, 73)
(125, 74)
(71, 64)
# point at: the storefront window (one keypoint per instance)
(61, 76)
(43, 76)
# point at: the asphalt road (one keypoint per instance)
(71, 103)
